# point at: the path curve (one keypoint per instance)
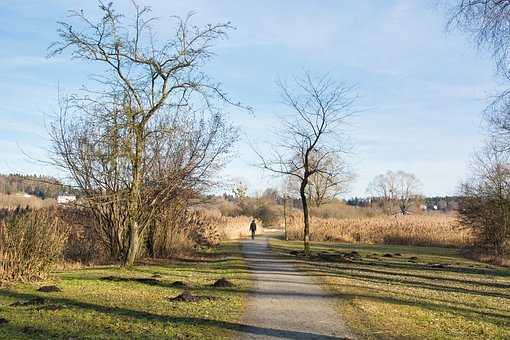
(286, 304)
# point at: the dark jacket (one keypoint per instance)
(253, 226)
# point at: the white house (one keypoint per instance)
(66, 199)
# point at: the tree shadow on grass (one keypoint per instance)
(238, 328)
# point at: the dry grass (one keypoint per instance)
(13, 201)
(421, 230)
(231, 228)
(226, 227)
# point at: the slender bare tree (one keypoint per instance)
(152, 120)
(311, 135)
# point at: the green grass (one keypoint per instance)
(390, 297)
(89, 307)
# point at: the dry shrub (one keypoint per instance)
(84, 243)
(420, 230)
(172, 233)
(30, 244)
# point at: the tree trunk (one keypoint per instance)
(133, 244)
(285, 216)
(306, 232)
(134, 197)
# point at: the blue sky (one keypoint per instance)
(421, 89)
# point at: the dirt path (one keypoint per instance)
(285, 303)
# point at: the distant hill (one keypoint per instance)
(40, 186)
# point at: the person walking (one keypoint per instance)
(253, 229)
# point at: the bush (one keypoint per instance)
(485, 203)
(85, 242)
(30, 244)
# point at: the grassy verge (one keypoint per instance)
(408, 292)
(91, 307)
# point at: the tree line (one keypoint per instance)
(36, 185)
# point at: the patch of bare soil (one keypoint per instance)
(437, 265)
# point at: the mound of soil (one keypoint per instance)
(179, 284)
(223, 283)
(387, 255)
(397, 254)
(414, 258)
(49, 289)
(157, 276)
(31, 302)
(186, 296)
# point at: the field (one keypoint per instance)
(423, 230)
(406, 292)
(13, 201)
(95, 303)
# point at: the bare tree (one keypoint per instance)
(488, 21)
(326, 186)
(485, 200)
(395, 189)
(311, 135)
(151, 124)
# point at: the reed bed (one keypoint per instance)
(226, 227)
(441, 230)
(231, 228)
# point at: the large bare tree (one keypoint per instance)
(488, 22)
(395, 189)
(311, 136)
(151, 125)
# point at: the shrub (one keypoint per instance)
(30, 244)
(485, 203)
(85, 242)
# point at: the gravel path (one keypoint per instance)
(286, 304)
